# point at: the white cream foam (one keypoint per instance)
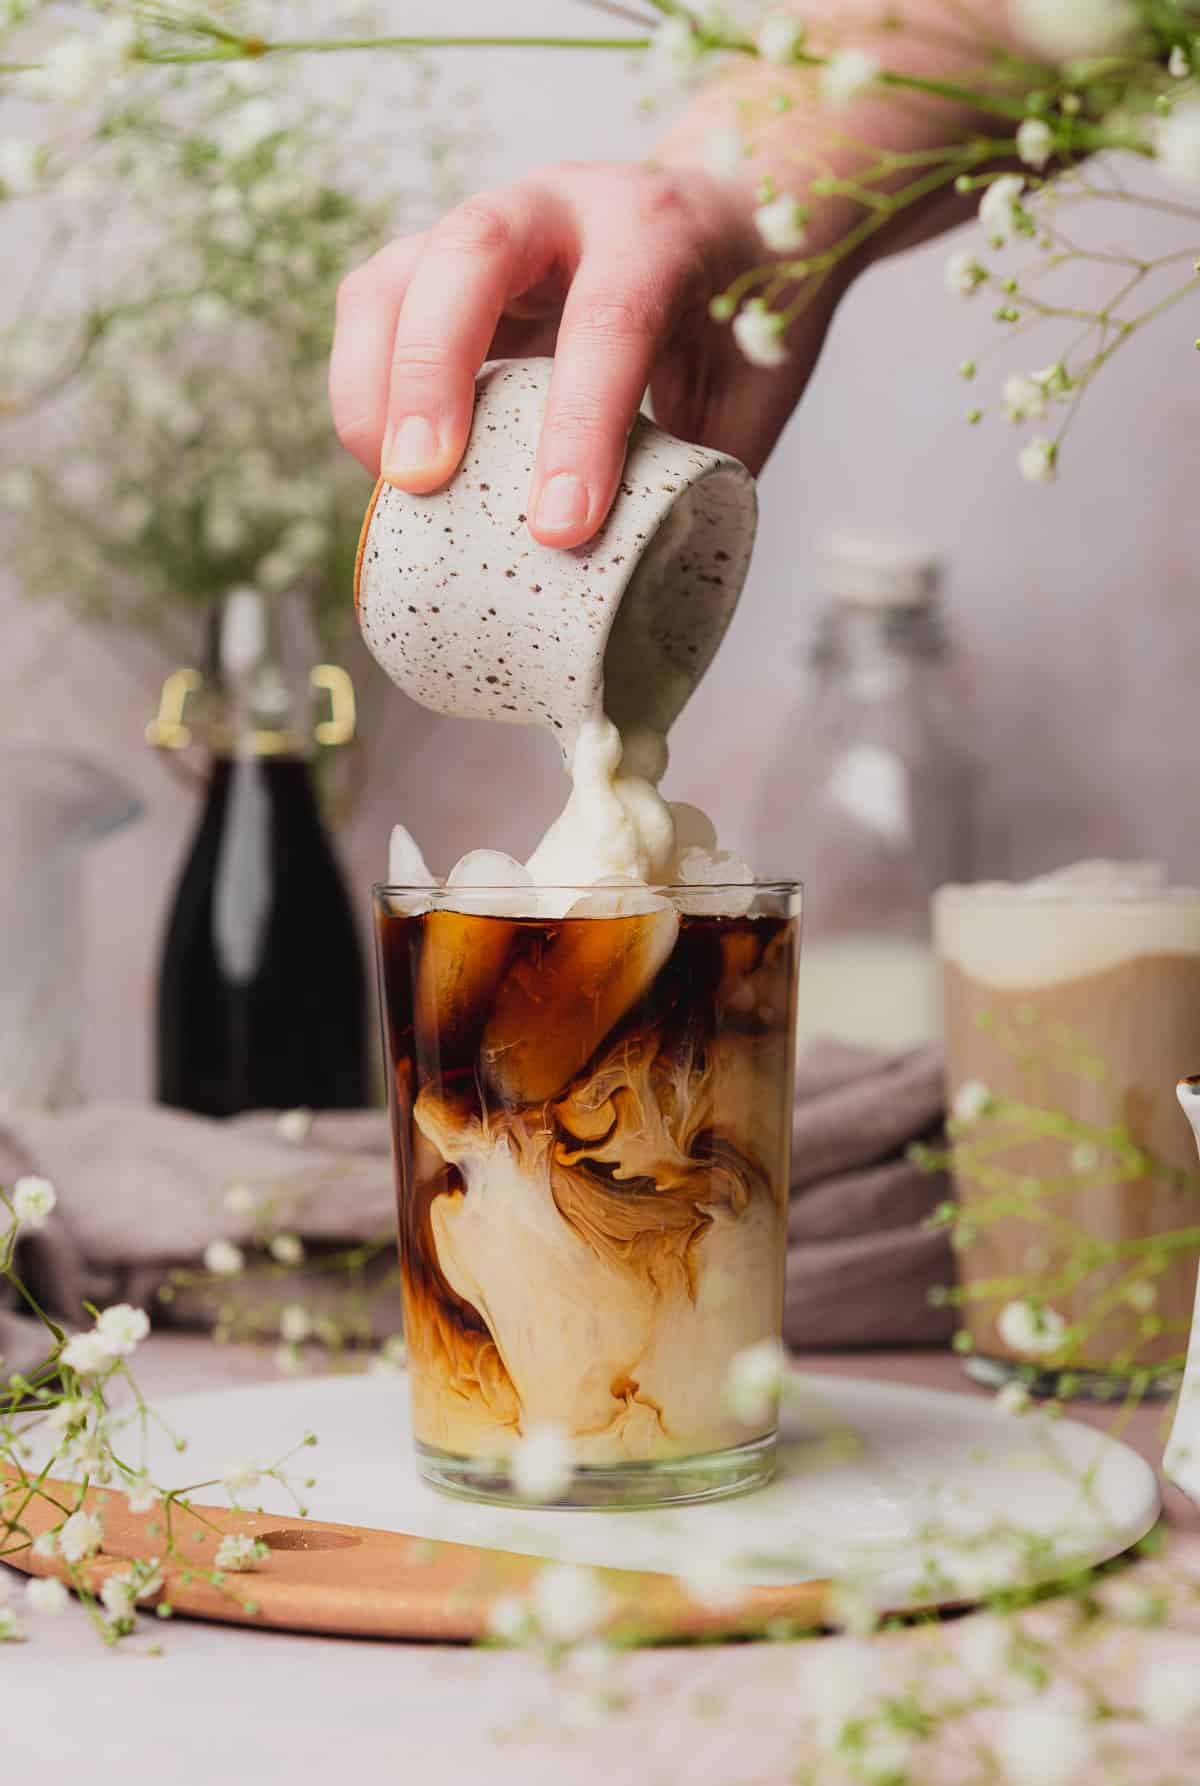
(612, 824)
(1084, 919)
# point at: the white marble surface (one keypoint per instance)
(222, 1705)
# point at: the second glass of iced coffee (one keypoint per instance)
(591, 1118)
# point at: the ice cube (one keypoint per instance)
(555, 1006)
(463, 958)
(731, 880)
(618, 896)
(694, 830)
(406, 864)
(489, 870)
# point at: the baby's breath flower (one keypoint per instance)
(288, 1249)
(782, 224)
(1043, 1745)
(1142, 1295)
(290, 1361)
(70, 70)
(1014, 1398)
(1030, 1328)
(1024, 398)
(118, 1599)
(1178, 63)
(240, 1198)
(72, 1411)
(851, 1608)
(779, 37)
(238, 1551)
(1177, 143)
(843, 1682)
(971, 1101)
(759, 334)
(1035, 142)
(80, 1536)
(569, 1602)
(294, 1126)
(711, 1580)
(983, 1647)
(242, 1473)
(1084, 1158)
(46, 1594)
(142, 1494)
(223, 1259)
(87, 1354)
(33, 1201)
(18, 166)
(847, 74)
(542, 1463)
(724, 153)
(1000, 209)
(964, 275)
(249, 126)
(392, 1356)
(10, 1626)
(46, 1544)
(509, 1619)
(754, 1382)
(1038, 460)
(120, 1329)
(677, 48)
(295, 1323)
(1169, 1692)
(1074, 30)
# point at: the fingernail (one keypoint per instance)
(411, 446)
(563, 502)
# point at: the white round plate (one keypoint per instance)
(867, 1472)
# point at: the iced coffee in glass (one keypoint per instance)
(591, 1117)
(1072, 1007)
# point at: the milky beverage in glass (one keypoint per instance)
(591, 1118)
(590, 1055)
(1078, 994)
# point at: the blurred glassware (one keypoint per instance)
(262, 1000)
(52, 805)
(871, 796)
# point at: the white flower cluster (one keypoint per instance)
(542, 1464)
(567, 1604)
(1031, 1329)
(117, 1333)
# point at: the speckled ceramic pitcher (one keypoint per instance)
(469, 615)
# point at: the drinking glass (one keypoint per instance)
(591, 1116)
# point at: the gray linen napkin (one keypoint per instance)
(141, 1190)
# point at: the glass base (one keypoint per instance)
(666, 1482)
(1086, 1385)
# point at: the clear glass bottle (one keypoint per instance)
(873, 793)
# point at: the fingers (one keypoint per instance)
(368, 308)
(627, 295)
(474, 261)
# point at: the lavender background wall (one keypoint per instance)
(1076, 607)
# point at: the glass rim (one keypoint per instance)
(507, 888)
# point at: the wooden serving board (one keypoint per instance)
(354, 1581)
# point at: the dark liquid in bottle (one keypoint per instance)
(262, 995)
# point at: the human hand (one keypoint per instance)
(609, 268)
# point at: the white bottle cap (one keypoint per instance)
(243, 631)
(876, 572)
